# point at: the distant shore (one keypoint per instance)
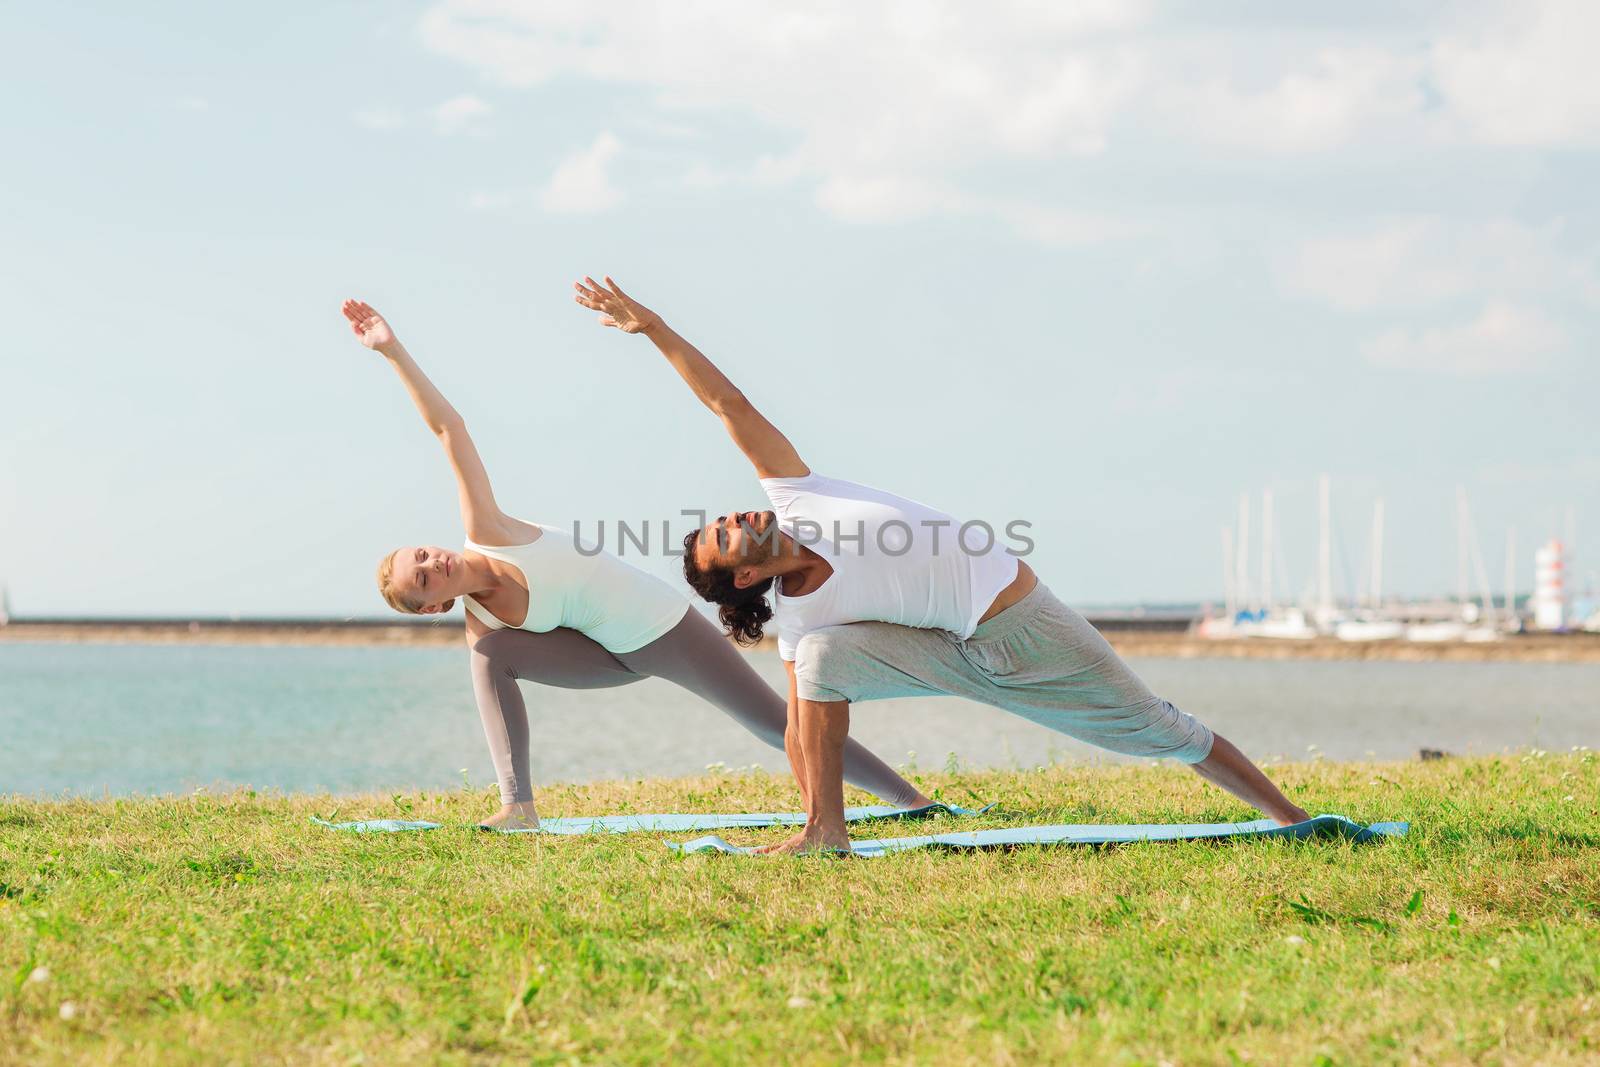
(235, 631)
(1519, 648)
(1147, 642)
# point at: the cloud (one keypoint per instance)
(1146, 393)
(379, 119)
(192, 103)
(459, 114)
(1327, 100)
(1525, 78)
(1518, 74)
(1046, 225)
(703, 177)
(877, 103)
(1502, 339)
(1568, 471)
(889, 199)
(884, 197)
(581, 183)
(1428, 265)
(1420, 261)
(909, 108)
(494, 200)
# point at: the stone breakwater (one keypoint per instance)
(1531, 648)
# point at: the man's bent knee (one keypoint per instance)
(1157, 730)
(825, 660)
(1191, 739)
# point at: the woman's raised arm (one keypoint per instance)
(482, 517)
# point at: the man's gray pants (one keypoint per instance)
(1038, 659)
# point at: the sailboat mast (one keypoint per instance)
(1469, 540)
(1242, 569)
(1324, 549)
(1511, 578)
(1377, 553)
(1266, 550)
(1229, 593)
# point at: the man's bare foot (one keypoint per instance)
(813, 838)
(768, 849)
(520, 816)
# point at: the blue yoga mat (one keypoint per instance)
(1321, 826)
(377, 826)
(671, 824)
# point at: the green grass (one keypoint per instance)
(224, 928)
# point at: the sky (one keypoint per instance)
(1099, 267)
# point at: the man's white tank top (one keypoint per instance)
(619, 607)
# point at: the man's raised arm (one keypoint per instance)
(770, 452)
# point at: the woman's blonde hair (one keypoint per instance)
(391, 595)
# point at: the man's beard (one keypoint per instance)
(762, 546)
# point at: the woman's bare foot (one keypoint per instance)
(520, 816)
(1291, 815)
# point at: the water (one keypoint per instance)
(120, 719)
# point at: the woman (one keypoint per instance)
(541, 611)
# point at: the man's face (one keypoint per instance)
(739, 539)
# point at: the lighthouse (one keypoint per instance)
(1549, 587)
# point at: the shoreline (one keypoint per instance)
(1148, 642)
(1520, 648)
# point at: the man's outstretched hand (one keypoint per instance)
(617, 309)
(369, 326)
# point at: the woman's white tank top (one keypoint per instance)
(620, 607)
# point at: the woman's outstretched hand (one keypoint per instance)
(368, 325)
(616, 308)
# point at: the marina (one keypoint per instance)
(1253, 610)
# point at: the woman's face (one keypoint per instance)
(429, 576)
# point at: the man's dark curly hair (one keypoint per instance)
(744, 612)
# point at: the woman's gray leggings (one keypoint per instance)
(693, 654)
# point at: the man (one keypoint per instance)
(878, 596)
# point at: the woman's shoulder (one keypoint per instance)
(504, 532)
